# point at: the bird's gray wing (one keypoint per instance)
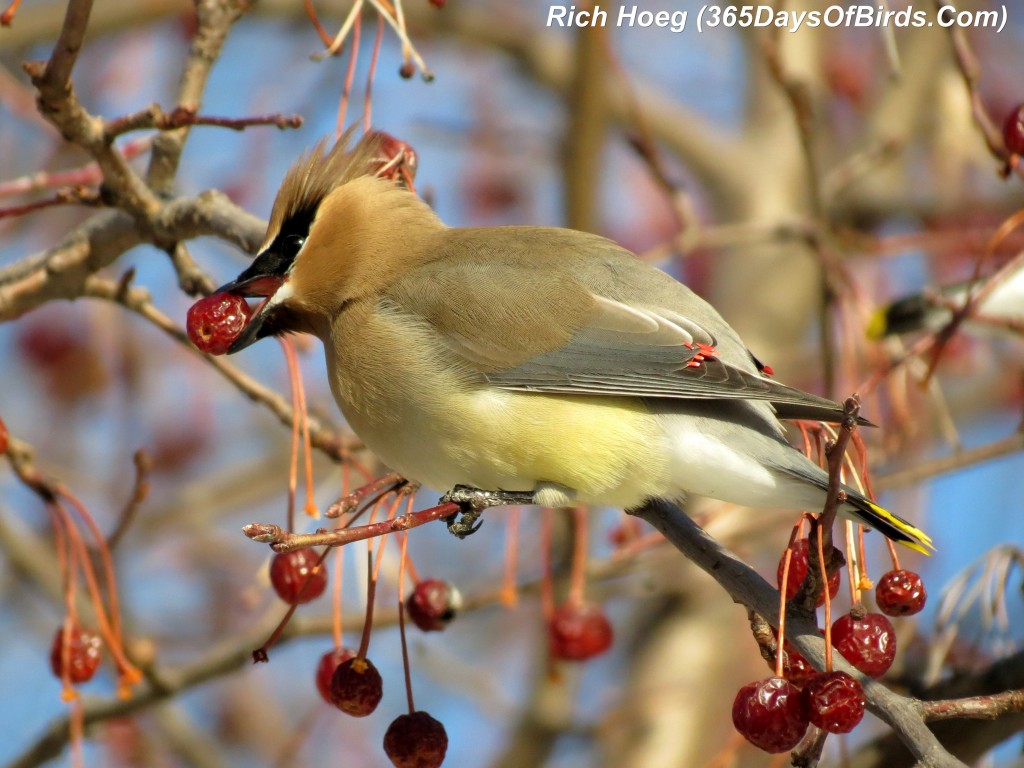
(588, 325)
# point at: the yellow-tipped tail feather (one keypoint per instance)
(888, 524)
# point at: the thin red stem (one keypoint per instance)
(509, 593)
(547, 580)
(578, 577)
(371, 74)
(828, 599)
(401, 622)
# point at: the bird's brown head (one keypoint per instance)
(337, 232)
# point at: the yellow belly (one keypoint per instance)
(428, 416)
(607, 450)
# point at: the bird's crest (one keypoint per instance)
(319, 171)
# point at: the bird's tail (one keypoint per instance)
(886, 523)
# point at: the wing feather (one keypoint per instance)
(563, 312)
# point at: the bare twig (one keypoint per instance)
(153, 117)
(956, 461)
(975, 707)
(140, 490)
(214, 19)
(285, 541)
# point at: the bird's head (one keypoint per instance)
(338, 230)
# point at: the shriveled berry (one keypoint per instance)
(835, 701)
(1013, 130)
(83, 654)
(869, 643)
(214, 322)
(798, 566)
(771, 714)
(796, 668)
(325, 670)
(356, 687)
(4, 437)
(415, 741)
(293, 576)
(900, 593)
(579, 631)
(397, 160)
(433, 604)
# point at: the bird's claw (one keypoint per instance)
(463, 524)
(473, 501)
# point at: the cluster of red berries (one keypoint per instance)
(350, 681)
(773, 713)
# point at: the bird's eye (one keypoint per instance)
(291, 245)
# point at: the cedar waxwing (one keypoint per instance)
(920, 312)
(537, 360)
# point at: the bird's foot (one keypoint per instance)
(473, 501)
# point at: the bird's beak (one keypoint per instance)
(264, 277)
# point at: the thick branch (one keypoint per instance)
(61, 271)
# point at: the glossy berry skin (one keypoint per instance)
(835, 702)
(356, 687)
(415, 741)
(1013, 130)
(869, 643)
(293, 578)
(83, 657)
(325, 670)
(579, 631)
(771, 714)
(900, 593)
(214, 322)
(433, 604)
(798, 566)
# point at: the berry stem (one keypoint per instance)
(392, 511)
(854, 566)
(339, 39)
(325, 38)
(350, 73)
(371, 74)
(509, 592)
(128, 674)
(336, 588)
(864, 582)
(307, 444)
(77, 733)
(401, 622)
(547, 579)
(371, 594)
(788, 557)
(828, 602)
(578, 577)
(293, 460)
(892, 553)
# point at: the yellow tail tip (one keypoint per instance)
(919, 541)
